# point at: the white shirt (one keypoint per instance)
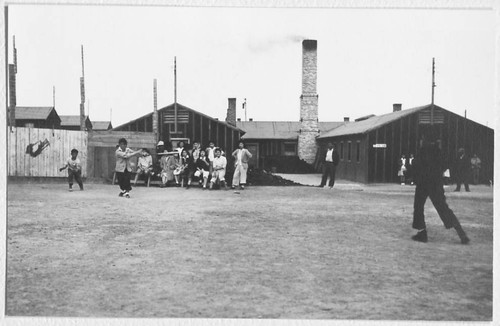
(329, 155)
(239, 155)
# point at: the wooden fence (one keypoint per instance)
(34, 152)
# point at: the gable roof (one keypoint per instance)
(278, 129)
(72, 120)
(180, 106)
(101, 125)
(33, 112)
(364, 126)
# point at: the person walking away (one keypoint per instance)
(74, 169)
(462, 170)
(475, 163)
(402, 169)
(241, 156)
(124, 166)
(428, 170)
(330, 160)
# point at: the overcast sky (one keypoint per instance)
(367, 59)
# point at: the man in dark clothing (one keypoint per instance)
(462, 170)
(330, 161)
(428, 170)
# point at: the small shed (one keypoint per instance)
(44, 117)
(72, 122)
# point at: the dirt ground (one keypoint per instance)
(270, 252)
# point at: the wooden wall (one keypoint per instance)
(102, 148)
(48, 162)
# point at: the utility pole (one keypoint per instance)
(433, 86)
(175, 95)
(155, 111)
(82, 93)
(245, 108)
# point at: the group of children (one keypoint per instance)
(182, 166)
(177, 168)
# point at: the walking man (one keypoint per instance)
(428, 169)
(330, 161)
(475, 163)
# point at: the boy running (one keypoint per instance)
(124, 166)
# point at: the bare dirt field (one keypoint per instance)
(270, 252)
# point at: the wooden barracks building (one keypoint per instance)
(369, 147)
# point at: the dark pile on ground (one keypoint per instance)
(260, 177)
(288, 164)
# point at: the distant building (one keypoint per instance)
(72, 122)
(101, 125)
(189, 125)
(37, 117)
(271, 139)
(370, 147)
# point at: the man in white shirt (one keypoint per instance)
(330, 161)
(219, 169)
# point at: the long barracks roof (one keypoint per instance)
(278, 129)
(101, 125)
(33, 112)
(71, 120)
(180, 106)
(364, 126)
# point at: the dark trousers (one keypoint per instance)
(328, 171)
(435, 192)
(77, 175)
(124, 180)
(462, 178)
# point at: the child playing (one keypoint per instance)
(144, 165)
(74, 169)
(219, 169)
(124, 166)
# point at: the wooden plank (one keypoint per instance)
(12, 151)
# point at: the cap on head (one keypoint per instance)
(161, 143)
(74, 150)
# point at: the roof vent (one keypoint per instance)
(396, 107)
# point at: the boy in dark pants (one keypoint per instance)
(124, 166)
(74, 169)
(428, 170)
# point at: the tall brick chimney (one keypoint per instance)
(396, 107)
(231, 111)
(307, 146)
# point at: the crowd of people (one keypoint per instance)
(182, 167)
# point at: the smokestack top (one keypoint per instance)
(396, 107)
(346, 119)
(231, 111)
(310, 44)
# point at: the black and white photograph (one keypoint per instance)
(174, 162)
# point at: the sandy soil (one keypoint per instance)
(270, 252)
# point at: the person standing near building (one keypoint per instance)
(475, 163)
(330, 160)
(241, 157)
(409, 169)
(402, 169)
(219, 169)
(462, 170)
(124, 166)
(428, 167)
